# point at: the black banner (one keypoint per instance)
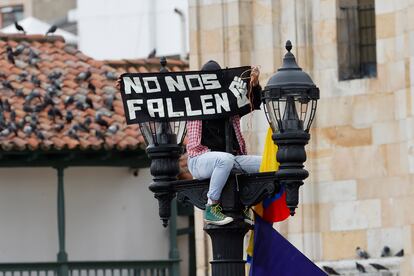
(189, 95)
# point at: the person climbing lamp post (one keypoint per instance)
(290, 103)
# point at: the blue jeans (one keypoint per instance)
(217, 166)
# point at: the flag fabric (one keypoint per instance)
(272, 209)
(274, 255)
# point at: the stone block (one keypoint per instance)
(384, 6)
(324, 32)
(325, 56)
(342, 245)
(368, 109)
(336, 191)
(401, 99)
(386, 50)
(346, 136)
(397, 161)
(211, 17)
(379, 237)
(385, 25)
(384, 187)
(308, 243)
(211, 41)
(388, 132)
(334, 111)
(263, 13)
(355, 215)
(359, 162)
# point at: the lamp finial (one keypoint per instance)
(288, 45)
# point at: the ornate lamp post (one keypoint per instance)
(286, 97)
(290, 99)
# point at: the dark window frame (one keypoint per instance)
(356, 40)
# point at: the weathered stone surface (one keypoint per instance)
(341, 245)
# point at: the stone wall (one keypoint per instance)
(361, 159)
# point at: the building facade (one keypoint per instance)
(360, 192)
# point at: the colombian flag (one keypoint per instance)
(272, 209)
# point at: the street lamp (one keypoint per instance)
(290, 104)
(290, 99)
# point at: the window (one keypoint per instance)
(10, 14)
(356, 39)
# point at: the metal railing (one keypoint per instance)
(98, 268)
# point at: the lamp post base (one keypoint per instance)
(227, 242)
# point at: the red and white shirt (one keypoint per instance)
(194, 134)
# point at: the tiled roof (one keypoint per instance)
(55, 97)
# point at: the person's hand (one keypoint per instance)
(254, 76)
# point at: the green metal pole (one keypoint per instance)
(62, 256)
(174, 253)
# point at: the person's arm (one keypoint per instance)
(255, 97)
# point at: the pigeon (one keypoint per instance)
(27, 108)
(10, 55)
(111, 75)
(69, 116)
(400, 253)
(100, 121)
(81, 127)
(113, 129)
(330, 270)
(19, 93)
(33, 94)
(360, 268)
(59, 127)
(38, 108)
(72, 134)
(89, 102)
(378, 267)
(35, 80)
(53, 112)
(47, 100)
(54, 75)
(99, 135)
(87, 121)
(5, 132)
(362, 254)
(51, 91)
(7, 84)
(83, 76)
(27, 130)
(13, 116)
(39, 134)
(92, 87)
(153, 53)
(109, 102)
(19, 27)
(68, 101)
(19, 49)
(386, 252)
(51, 30)
(79, 105)
(6, 105)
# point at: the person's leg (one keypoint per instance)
(248, 163)
(217, 166)
(214, 165)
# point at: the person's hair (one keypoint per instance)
(211, 65)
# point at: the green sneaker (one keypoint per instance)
(213, 215)
(247, 216)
